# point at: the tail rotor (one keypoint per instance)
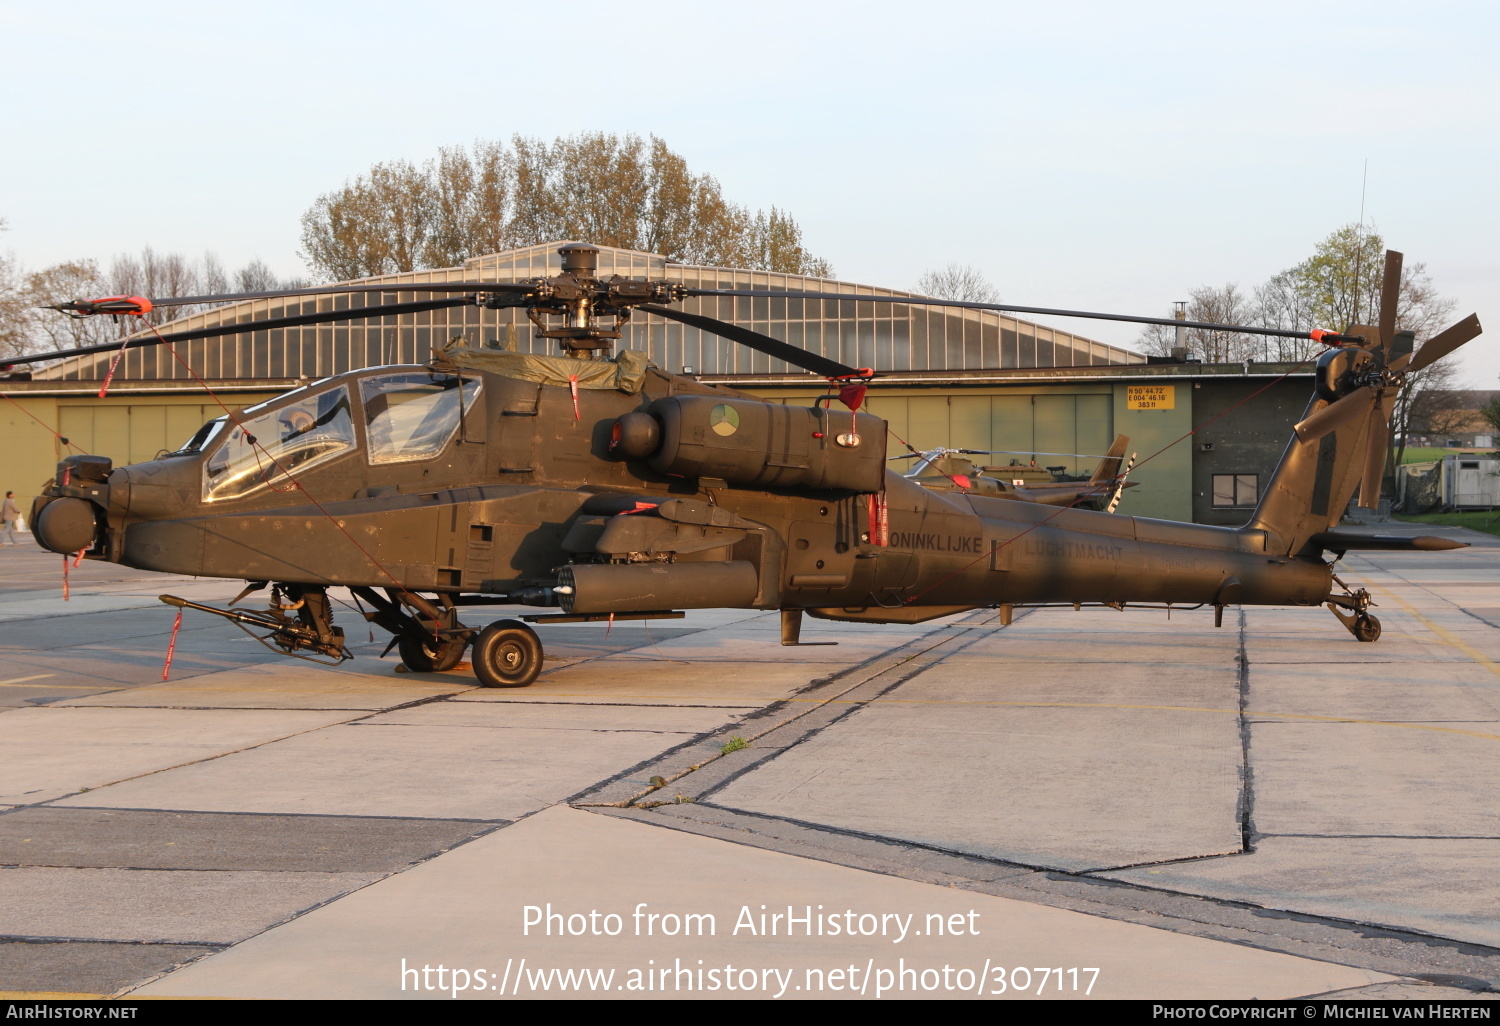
(1370, 393)
(1119, 490)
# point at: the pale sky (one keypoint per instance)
(1090, 156)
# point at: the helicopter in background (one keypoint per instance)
(605, 488)
(945, 469)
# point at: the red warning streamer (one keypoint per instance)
(166, 667)
(110, 375)
(880, 520)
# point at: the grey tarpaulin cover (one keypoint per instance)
(626, 372)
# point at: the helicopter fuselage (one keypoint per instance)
(523, 499)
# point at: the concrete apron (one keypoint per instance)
(693, 917)
(1274, 761)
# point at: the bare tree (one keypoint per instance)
(26, 325)
(602, 188)
(1210, 304)
(1337, 286)
(1284, 302)
(256, 276)
(957, 281)
(62, 283)
(14, 328)
(211, 275)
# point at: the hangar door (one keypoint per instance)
(1019, 422)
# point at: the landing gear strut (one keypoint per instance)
(1360, 622)
(428, 635)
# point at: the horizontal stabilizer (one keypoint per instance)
(1341, 541)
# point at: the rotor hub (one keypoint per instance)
(582, 299)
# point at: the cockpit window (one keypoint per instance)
(202, 439)
(262, 450)
(411, 415)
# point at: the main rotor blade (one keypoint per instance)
(336, 290)
(1390, 295)
(772, 347)
(1343, 411)
(325, 317)
(1027, 452)
(1441, 344)
(1003, 308)
(1004, 452)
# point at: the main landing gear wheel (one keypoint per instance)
(1365, 627)
(1357, 619)
(428, 654)
(507, 654)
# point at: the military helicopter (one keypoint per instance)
(946, 470)
(607, 488)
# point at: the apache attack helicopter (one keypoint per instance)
(610, 489)
(946, 470)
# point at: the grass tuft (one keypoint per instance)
(1487, 521)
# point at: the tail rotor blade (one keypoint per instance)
(1443, 343)
(1343, 412)
(1377, 441)
(1120, 486)
(1390, 295)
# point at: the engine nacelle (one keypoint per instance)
(761, 445)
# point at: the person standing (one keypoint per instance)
(9, 514)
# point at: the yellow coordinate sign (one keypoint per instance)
(1150, 397)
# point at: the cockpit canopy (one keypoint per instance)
(406, 414)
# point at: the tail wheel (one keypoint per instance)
(1366, 627)
(427, 654)
(507, 654)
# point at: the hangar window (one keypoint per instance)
(260, 449)
(411, 415)
(1236, 489)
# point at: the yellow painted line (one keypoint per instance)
(49, 995)
(1446, 636)
(18, 680)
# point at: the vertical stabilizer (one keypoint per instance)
(1317, 476)
(1109, 466)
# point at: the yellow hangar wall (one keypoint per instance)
(126, 428)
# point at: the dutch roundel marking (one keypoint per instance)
(725, 420)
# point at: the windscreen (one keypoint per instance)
(261, 451)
